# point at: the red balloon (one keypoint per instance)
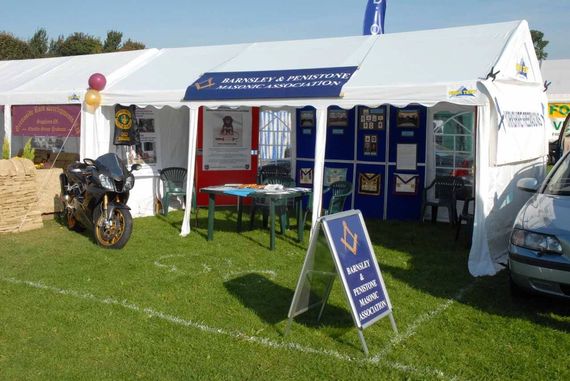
(97, 81)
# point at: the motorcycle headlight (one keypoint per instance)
(129, 183)
(535, 241)
(106, 182)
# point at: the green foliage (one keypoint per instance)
(132, 45)
(39, 44)
(113, 41)
(12, 48)
(6, 149)
(28, 152)
(539, 44)
(76, 44)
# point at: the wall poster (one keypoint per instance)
(370, 118)
(307, 118)
(370, 145)
(144, 151)
(406, 157)
(408, 119)
(227, 140)
(332, 175)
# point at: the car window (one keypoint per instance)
(559, 183)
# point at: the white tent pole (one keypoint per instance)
(318, 170)
(192, 137)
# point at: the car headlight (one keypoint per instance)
(129, 183)
(535, 241)
(106, 182)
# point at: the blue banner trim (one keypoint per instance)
(299, 83)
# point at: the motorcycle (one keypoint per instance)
(94, 195)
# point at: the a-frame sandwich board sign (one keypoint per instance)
(354, 262)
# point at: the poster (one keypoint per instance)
(144, 149)
(406, 156)
(337, 118)
(408, 119)
(370, 118)
(370, 145)
(227, 140)
(48, 121)
(124, 125)
(307, 118)
(332, 175)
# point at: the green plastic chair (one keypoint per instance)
(280, 205)
(173, 183)
(340, 191)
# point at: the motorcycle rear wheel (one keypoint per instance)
(116, 233)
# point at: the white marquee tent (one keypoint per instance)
(430, 68)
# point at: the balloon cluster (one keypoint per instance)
(97, 82)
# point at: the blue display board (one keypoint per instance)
(357, 266)
(355, 263)
(300, 83)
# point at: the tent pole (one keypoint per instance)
(192, 138)
(318, 171)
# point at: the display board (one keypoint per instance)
(355, 264)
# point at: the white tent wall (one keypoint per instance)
(171, 126)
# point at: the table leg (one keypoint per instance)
(240, 213)
(300, 222)
(211, 211)
(272, 224)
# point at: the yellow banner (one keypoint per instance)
(558, 110)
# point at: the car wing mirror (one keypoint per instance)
(528, 184)
(136, 167)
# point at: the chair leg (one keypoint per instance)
(165, 204)
(265, 217)
(458, 229)
(434, 209)
(252, 216)
(283, 222)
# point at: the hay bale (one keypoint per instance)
(18, 196)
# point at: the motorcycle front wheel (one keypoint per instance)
(114, 233)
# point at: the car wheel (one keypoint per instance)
(515, 290)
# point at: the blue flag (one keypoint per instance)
(374, 17)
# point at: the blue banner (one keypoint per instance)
(301, 83)
(374, 17)
(359, 270)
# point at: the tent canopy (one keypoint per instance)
(63, 80)
(401, 68)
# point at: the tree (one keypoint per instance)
(39, 44)
(76, 44)
(12, 48)
(132, 45)
(539, 44)
(113, 41)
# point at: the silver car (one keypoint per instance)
(539, 253)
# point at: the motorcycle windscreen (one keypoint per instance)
(111, 164)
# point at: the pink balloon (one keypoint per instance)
(97, 81)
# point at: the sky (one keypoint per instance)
(175, 23)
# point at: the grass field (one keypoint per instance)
(167, 307)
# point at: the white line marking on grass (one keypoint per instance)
(263, 341)
(422, 319)
(170, 268)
